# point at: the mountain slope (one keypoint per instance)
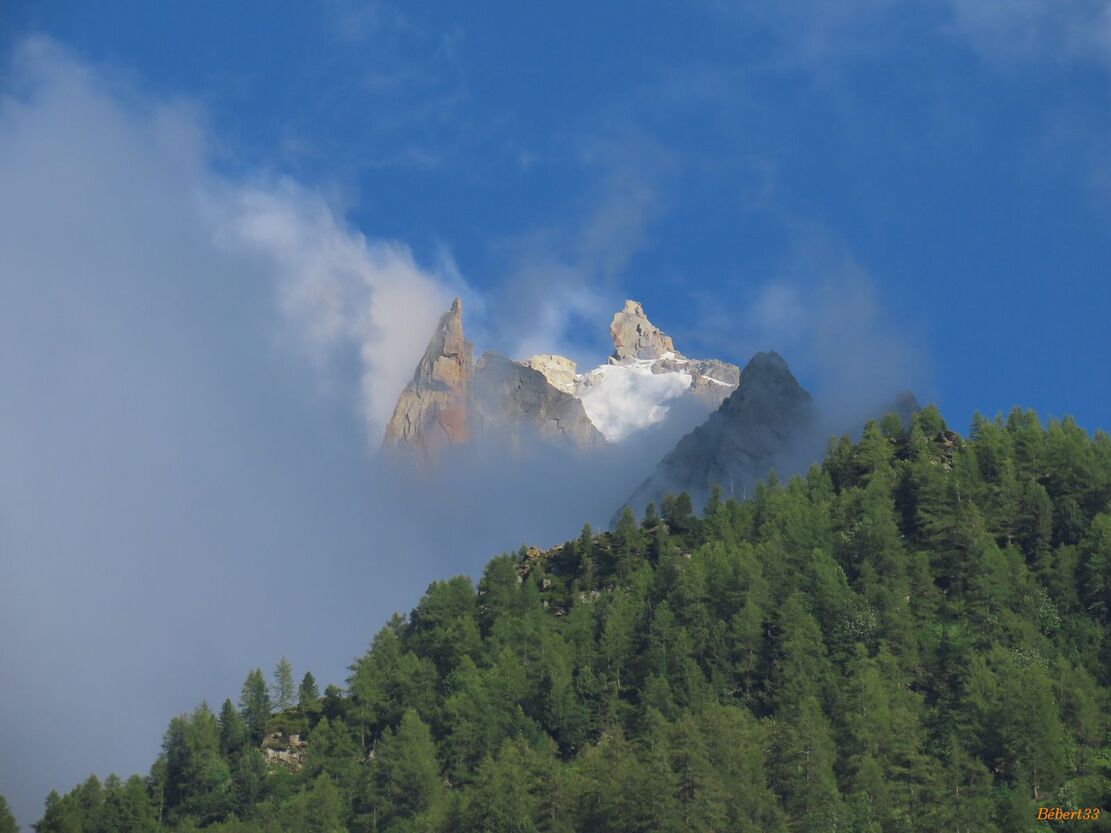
(914, 637)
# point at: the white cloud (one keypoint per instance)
(1055, 30)
(345, 292)
(95, 153)
(161, 456)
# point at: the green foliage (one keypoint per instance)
(308, 692)
(254, 704)
(913, 637)
(7, 820)
(283, 685)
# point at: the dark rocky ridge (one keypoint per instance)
(759, 427)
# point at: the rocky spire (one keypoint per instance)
(635, 337)
(432, 410)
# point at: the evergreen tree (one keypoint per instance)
(283, 686)
(322, 808)
(254, 705)
(406, 781)
(233, 730)
(308, 692)
(7, 820)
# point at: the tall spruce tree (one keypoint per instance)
(308, 692)
(254, 704)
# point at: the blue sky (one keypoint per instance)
(954, 151)
(227, 230)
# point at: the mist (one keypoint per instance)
(195, 369)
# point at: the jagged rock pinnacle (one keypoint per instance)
(432, 409)
(635, 337)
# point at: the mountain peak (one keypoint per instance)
(769, 362)
(447, 358)
(435, 398)
(759, 427)
(635, 337)
(767, 387)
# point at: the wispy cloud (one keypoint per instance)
(357, 20)
(1006, 31)
(565, 280)
(822, 310)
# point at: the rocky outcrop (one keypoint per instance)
(558, 370)
(432, 410)
(711, 380)
(635, 337)
(285, 751)
(763, 425)
(511, 403)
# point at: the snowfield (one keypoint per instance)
(621, 399)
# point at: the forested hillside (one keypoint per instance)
(915, 636)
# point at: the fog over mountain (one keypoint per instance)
(196, 368)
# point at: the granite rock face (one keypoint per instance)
(759, 427)
(711, 380)
(558, 370)
(511, 402)
(635, 337)
(452, 401)
(432, 410)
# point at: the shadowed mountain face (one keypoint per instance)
(763, 425)
(509, 401)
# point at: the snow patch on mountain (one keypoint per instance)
(621, 399)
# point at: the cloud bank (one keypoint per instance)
(185, 489)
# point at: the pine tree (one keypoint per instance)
(584, 549)
(322, 807)
(308, 693)
(283, 685)
(406, 778)
(233, 730)
(627, 543)
(254, 705)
